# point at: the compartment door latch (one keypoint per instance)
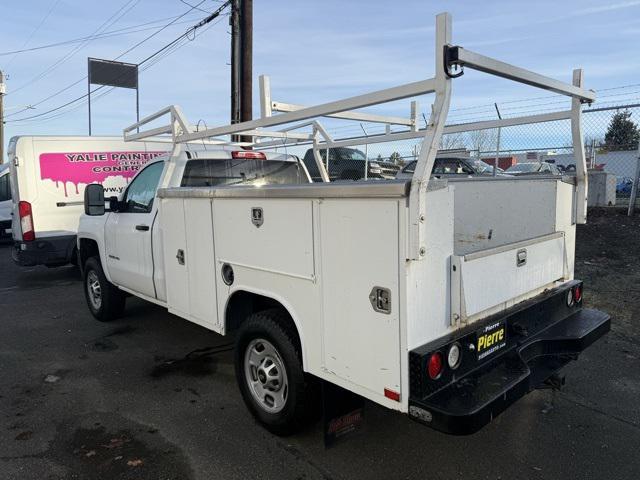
(521, 257)
(380, 298)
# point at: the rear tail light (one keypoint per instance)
(577, 293)
(435, 366)
(26, 222)
(248, 154)
(574, 295)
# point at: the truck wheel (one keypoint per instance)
(104, 299)
(268, 364)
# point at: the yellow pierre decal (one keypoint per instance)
(489, 339)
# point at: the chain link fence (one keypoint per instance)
(542, 142)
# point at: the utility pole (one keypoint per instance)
(241, 62)
(234, 21)
(246, 67)
(2, 92)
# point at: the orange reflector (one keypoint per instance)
(392, 395)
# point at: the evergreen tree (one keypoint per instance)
(622, 134)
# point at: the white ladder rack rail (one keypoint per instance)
(450, 62)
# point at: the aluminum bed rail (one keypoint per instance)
(450, 62)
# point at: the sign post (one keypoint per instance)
(112, 74)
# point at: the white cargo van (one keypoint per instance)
(5, 202)
(48, 176)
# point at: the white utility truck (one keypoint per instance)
(410, 293)
(48, 175)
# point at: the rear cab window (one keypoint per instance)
(215, 172)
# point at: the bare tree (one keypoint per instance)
(452, 141)
(482, 140)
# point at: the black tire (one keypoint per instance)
(112, 299)
(301, 404)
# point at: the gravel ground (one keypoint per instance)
(81, 399)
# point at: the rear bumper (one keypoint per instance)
(50, 251)
(541, 337)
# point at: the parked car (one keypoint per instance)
(49, 174)
(349, 164)
(449, 167)
(532, 168)
(5, 202)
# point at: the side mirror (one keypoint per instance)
(114, 204)
(94, 199)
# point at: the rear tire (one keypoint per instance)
(105, 301)
(268, 364)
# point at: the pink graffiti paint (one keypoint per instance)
(91, 167)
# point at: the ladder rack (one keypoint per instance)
(299, 123)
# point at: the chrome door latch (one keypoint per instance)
(521, 257)
(380, 299)
(180, 257)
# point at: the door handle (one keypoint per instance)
(142, 228)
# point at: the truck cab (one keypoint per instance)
(126, 239)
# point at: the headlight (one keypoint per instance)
(374, 165)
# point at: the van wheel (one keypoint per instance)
(104, 299)
(268, 364)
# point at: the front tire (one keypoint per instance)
(268, 364)
(106, 302)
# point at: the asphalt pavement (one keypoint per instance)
(149, 397)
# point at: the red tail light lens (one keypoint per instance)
(26, 222)
(435, 366)
(248, 154)
(577, 294)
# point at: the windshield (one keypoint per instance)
(343, 154)
(482, 167)
(524, 167)
(410, 168)
(210, 173)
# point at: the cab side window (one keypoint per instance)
(142, 190)
(5, 188)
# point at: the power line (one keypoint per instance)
(173, 21)
(109, 22)
(111, 33)
(35, 30)
(161, 51)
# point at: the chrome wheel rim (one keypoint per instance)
(266, 376)
(94, 289)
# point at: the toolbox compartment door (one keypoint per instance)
(491, 280)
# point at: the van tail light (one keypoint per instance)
(26, 222)
(248, 155)
(435, 366)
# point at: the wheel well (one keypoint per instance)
(88, 249)
(242, 304)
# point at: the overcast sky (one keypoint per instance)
(314, 51)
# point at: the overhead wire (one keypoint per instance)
(34, 31)
(111, 33)
(173, 21)
(126, 8)
(148, 62)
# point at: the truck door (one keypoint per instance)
(128, 234)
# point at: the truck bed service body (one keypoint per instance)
(410, 293)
